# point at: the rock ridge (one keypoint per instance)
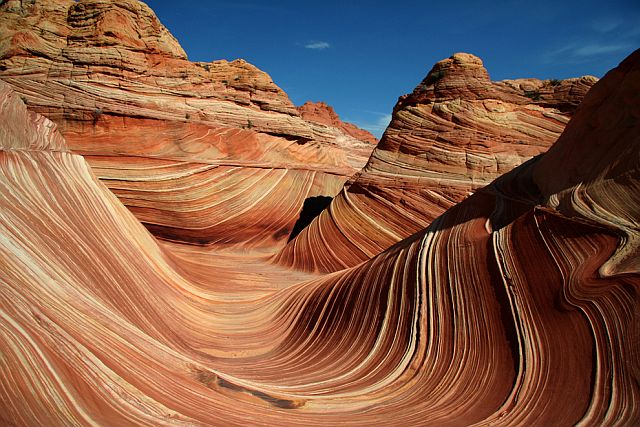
(320, 112)
(455, 133)
(154, 125)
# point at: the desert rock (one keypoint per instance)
(183, 144)
(527, 288)
(455, 133)
(320, 112)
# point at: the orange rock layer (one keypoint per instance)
(518, 306)
(320, 112)
(455, 133)
(123, 94)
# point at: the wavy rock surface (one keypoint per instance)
(490, 316)
(320, 112)
(518, 306)
(215, 142)
(456, 132)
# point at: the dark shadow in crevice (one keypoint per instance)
(311, 208)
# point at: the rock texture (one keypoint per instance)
(518, 306)
(320, 112)
(455, 133)
(174, 139)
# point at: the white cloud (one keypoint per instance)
(378, 126)
(599, 49)
(578, 53)
(606, 24)
(317, 45)
(605, 38)
(383, 122)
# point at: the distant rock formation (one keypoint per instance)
(455, 133)
(200, 152)
(320, 112)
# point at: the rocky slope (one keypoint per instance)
(518, 306)
(455, 133)
(320, 112)
(182, 144)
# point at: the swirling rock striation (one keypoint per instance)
(456, 132)
(217, 143)
(518, 306)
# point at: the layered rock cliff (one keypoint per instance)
(455, 133)
(182, 144)
(518, 306)
(320, 112)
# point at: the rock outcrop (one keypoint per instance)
(455, 133)
(183, 144)
(518, 306)
(320, 112)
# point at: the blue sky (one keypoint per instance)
(360, 57)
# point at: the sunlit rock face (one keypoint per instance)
(320, 112)
(518, 306)
(455, 133)
(200, 152)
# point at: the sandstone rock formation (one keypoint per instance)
(518, 306)
(456, 132)
(320, 112)
(182, 144)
